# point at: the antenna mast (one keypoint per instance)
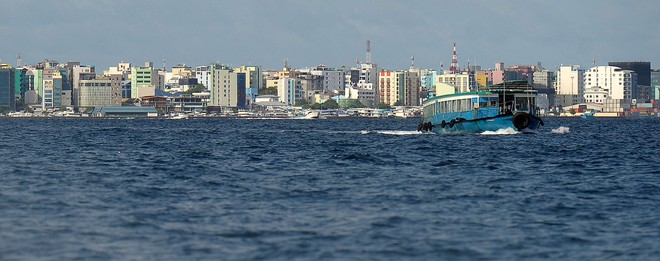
(454, 61)
(18, 60)
(369, 51)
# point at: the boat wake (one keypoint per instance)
(506, 131)
(395, 132)
(561, 130)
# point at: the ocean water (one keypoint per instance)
(335, 189)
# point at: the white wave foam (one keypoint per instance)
(394, 132)
(561, 130)
(506, 131)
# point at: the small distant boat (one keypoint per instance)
(588, 115)
(314, 115)
(179, 117)
(508, 105)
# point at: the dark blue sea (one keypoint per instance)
(335, 189)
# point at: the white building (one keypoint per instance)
(203, 75)
(368, 78)
(569, 87)
(333, 79)
(595, 95)
(617, 82)
(289, 90)
(365, 96)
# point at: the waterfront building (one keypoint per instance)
(196, 102)
(289, 90)
(399, 88)
(617, 82)
(23, 81)
(227, 87)
(101, 92)
(7, 88)
(52, 89)
(125, 112)
(643, 70)
(596, 95)
(144, 80)
(655, 83)
(253, 78)
(78, 73)
(569, 87)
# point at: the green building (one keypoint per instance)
(143, 81)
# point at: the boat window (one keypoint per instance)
(493, 101)
(522, 103)
(483, 101)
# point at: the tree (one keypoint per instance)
(399, 103)
(352, 103)
(268, 91)
(196, 88)
(330, 104)
(301, 102)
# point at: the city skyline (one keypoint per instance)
(103, 33)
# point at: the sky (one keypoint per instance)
(308, 33)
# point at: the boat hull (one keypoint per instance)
(479, 125)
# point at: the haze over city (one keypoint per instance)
(334, 33)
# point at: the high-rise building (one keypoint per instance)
(78, 73)
(643, 70)
(289, 90)
(618, 83)
(399, 88)
(203, 75)
(100, 92)
(7, 88)
(144, 80)
(569, 87)
(655, 83)
(227, 87)
(464, 81)
(253, 79)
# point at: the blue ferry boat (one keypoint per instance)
(511, 104)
